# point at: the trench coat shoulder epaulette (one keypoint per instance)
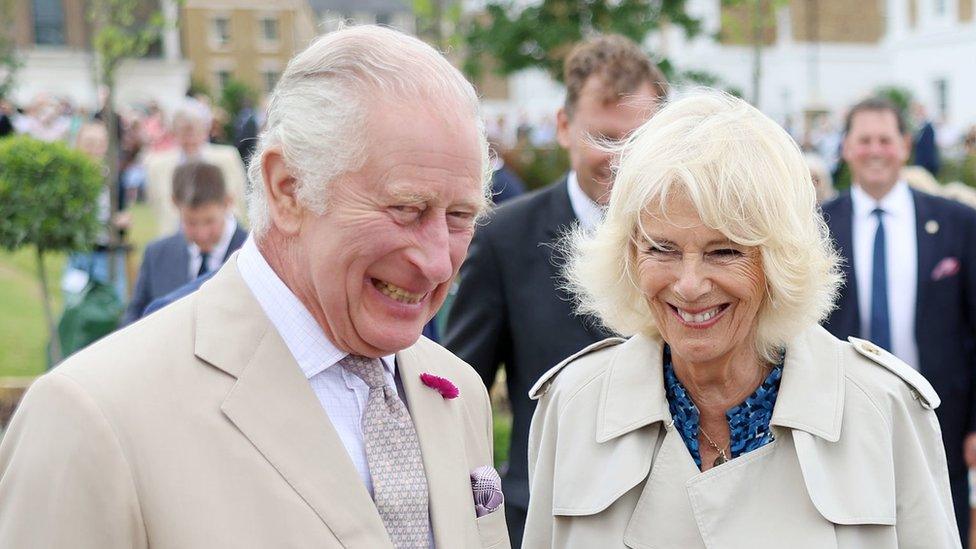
(921, 389)
(542, 386)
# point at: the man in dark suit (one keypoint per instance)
(509, 308)
(208, 235)
(910, 269)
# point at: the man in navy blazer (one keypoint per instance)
(509, 308)
(209, 234)
(920, 277)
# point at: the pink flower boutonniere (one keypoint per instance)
(443, 386)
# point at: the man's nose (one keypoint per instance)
(692, 282)
(433, 252)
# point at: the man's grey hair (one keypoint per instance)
(318, 110)
(193, 112)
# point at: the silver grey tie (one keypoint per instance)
(394, 458)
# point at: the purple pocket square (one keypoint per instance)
(486, 487)
(948, 266)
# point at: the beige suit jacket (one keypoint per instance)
(195, 428)
(857, 460)
(159, 182)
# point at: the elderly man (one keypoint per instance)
(191, 128)
(509, 308)
(290, 401)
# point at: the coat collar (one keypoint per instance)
(634, 396)
(272, 405)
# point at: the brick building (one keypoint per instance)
(247, 40)
(54, 40)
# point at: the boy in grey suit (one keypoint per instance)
(208, 235)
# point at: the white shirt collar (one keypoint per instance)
(897, 204)
(301, 333)
(589, 213)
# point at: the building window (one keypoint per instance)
(940, 7)
(221, 30)
(942, 97)
(270, 79)
(269, 29)
(223, 78)
(48, 22)
(383, 18)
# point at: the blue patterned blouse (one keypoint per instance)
(748, 421)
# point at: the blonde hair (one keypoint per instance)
(747, 179)
(320, 107)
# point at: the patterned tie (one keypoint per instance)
(880, 326)
(393, 454)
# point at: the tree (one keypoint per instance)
(119, 33)
(10, 60)
(234, 97)
(900, 96)
(437, 22)
(760, 17)
(542, 35)
(48, 199)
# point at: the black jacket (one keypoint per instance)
(509, 311)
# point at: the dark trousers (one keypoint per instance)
(515, 518)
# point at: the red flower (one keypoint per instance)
(447, 389)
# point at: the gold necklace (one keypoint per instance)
(722, 456)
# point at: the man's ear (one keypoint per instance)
(280, 189)
(562, 128)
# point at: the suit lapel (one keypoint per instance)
(928, 250)
(441, 431)
(273, 406)
(560, 219)
(236, 241)
(841, 228)
(180, 272)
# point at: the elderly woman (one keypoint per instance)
(729, 419)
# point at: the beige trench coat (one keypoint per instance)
(857, 460)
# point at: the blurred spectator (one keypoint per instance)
(925, 151)
(93, 141)
(949, 138)
(208, 235)
(960, 192)
(190, 128)
(822, 181)
(155, 134)
(132, 174)
(824, 139)
(920, 178)
(505, 184)
(544, 133)
(43, 120)
(6, 122)
(246, 130)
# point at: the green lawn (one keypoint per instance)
(23, 336)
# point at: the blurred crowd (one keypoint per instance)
(153, 142)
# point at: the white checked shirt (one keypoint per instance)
(342, 394)
(901, 259)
